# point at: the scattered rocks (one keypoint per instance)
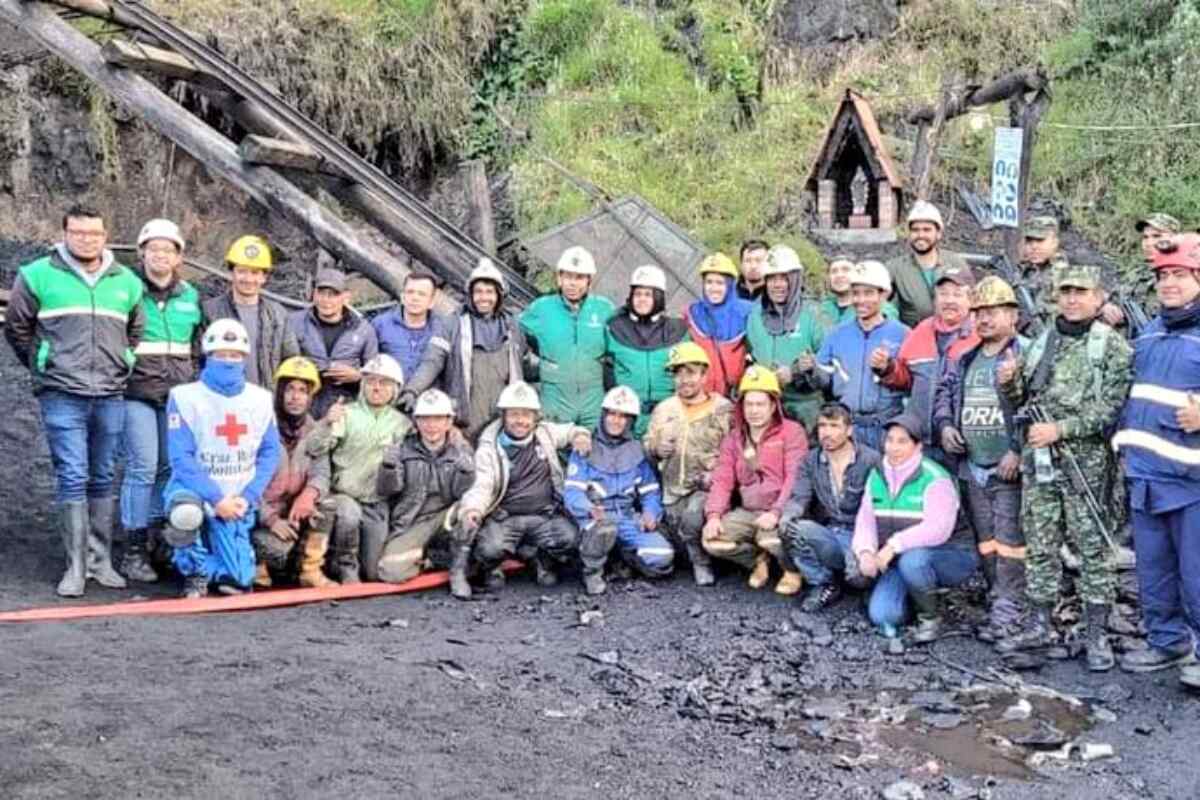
(1018, 711)
(1093, 751)
(590, 618)
(903, 790)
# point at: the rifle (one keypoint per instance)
(1029, 309)
(1136, 318)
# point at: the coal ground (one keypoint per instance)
(670, 691)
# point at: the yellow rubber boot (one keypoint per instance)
(789, 584)
(761, 572)
(262, 576)
(312, 561)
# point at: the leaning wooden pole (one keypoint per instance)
(212, 149)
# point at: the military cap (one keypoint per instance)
(1080, 276)
(1040, 227)
(1164, 222)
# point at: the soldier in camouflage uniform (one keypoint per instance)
(1040, 259)
(1078, 372)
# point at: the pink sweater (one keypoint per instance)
(941, 512)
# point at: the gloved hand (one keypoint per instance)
(407, 401)
(303, 507)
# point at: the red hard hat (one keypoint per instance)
(1178, 251)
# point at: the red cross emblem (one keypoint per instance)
(231, 430)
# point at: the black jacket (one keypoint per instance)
(411, 473)
(948, 403)
(812, 493)
(276, 339)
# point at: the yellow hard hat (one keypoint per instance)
(250, 251)
(720, 264)
(993, 291)
(301, 369)
(687, 353)
(759, 379)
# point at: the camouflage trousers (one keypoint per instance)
(1055, 513)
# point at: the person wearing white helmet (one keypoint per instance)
(224, 447)
(913, 272)
(167, 356)
(355, 437)
(614, 496)
(566, 330)
(515, 506)
(838, 305)
(74, 317)
(638, 342)
(421, 479)
(785, 328)
(842, 368)
(484, 352)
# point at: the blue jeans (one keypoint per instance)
(84, 435)
(146, 465)
(817, 551)
(918, 571)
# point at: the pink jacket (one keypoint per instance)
(765, 485)
(936, 527)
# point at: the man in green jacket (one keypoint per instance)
(356, 437)
(74, 318)
(913, 273)
(566, 331)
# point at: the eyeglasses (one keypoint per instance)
(165, 250)
(86, 234)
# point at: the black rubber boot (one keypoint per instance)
(460, 587)
(73, 527)
(1036, 634)
(1099, 651)
(102, 514)
(929, 617)
(544, 566)
(135, 564)
(593, 583)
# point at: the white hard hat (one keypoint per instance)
(487, 271)
(650, 277)
(781, 260)
(161, 229)
(226, 334)
(925, 211)
(384, 366)
(623, 400)
(578, 260)
(433, 403)
(871, 273)
(519, 395)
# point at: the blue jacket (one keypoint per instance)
(1157, 452)
(843, 367)
(621, 482)
(355, 346)
(408, 345)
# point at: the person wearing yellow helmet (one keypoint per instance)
(290, 515)
(717, 322)
(272, 339)
(758, 460)
(683, 439)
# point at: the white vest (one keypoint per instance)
(227, 430)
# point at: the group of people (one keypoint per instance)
(909, 428)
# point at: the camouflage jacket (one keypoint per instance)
(1087, 386)
(1040, 282)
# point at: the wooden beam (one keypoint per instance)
(480, 222)
(206, 145)
(157, 61)
(268, 151)
(1003, 88)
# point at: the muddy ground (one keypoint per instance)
(671, 692)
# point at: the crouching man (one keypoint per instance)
(421, 479)
(818, 521)
(355, 437)
(516, 504)
(759, 459)
(684, 437)
(223, 447)
(614, 496)
(290, 516)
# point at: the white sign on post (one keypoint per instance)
(1006, 177)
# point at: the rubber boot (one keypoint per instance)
(701, 565)
(593, 583)
(546, 576)
(73, 527)
(135, 564)
(195, 586)
(262, 576)
(1036, 633)
(312, 560)
(1099, 652)
(761, 572)
(102, 512)
(460, 587)
(929, 617)
(789, 584)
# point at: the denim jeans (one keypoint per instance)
(817, 551)
(146, 465)
(84, 435)
(920, 570)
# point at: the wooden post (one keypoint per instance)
(480, 222)
(1024, 114)
(210, 148)
(925, 155)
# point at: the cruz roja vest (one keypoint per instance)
(228, 430)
